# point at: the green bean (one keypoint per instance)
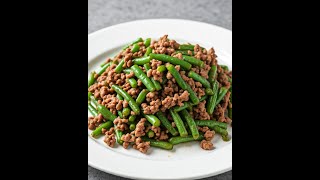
(203, 98)
(180, 108)
(135, 48)
(141, 61)
(209, 91)
(186, 47)
(150, 134)
(142, 96)
(182, 83)
(199, 78)
(91, 79)
(211, 104)
(161, 68)
(89, 95)
(148, 51)
(119, 68)
(147, 42)
(127, 71)
(120, 114)
(159, 144)
(222, 92)
(230, 79)
(133, 83)
(103, 69)
(152, 119)
(156, 84)
(224, 67)
(211, 123)
(179, 123)
(132, 103)
(212, 74)
(132, 127)
(126, 111)
(143, 77)
(193, 61)
(103, 110)
(119, 97)
(220, 130)
(178, 139)
(185, 52)
(107, 125)
(92, 110)
(118, 135)
(132, 118)
(165, 122)
(226, 138)
(172, 60)
(192, 125)
(134, 42)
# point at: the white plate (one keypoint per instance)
(185, 161)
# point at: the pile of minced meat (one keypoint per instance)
(170, 96)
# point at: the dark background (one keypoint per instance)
(102, 14)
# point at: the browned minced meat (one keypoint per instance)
(173, 124)
(141, 146)
(221, 109)
(223, 78)
(125, 104)
(152, 108)
(164, 46)
(130, 75)
(164, 135)
(110, 101)
(156, 130)
(206, 145)
(139, 131)
(121, 124)
(211, 57)
(109, 138)
(127, 139)
(203, 129)
(139, 82)
(209, 135)
(178, 55)
(200, 111)
(177, 99)
(133, 92)
(94, 122)
(152, 96)
(153, 72)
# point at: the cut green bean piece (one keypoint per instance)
(133, 83)
(186, 47)
(132, 103)
(107, 125)
(119, 67)
(103, 69)
(134, 42)
(120, 114)
(211, 104)
(119, 97)
(150, 134)
(222, 92)
(92, 110)
(211, 123)
(166, 123)
(141, 61)
(220, 130)
(147, 42)
(91, 79)
(118, 135)
(230, 113)
(179, 123)
(148, 51)
(212, 74)
(89, 95)
(192, 125)
(226, 138)
(199, 78)
(132, 118)
(159, 144)
(127, 71)
(180, 108)
(224, 67)
(126, 112)
(132, 127)
(209, 91)
(143, 77)
(189, 138)
(135, 48)
(161, 68)
(193, 61)
(152, 119)
(172, 60)
(142, 96)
